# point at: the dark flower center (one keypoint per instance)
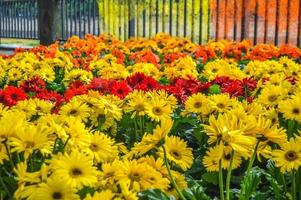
(29, 144)
(14, 96)
(291, 156)
(109, 175)
(157, 111)
(139, 107)
(73, 112)
(76, 172)
(175, 154)
(94, 147)
(214, 70)
(227, 156)
(221, 105)
(57, 195)
(272, 98)
(197, 104)
(120, 91)
(135, 176)
(296, 111)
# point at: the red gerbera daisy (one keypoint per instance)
(100, 84)
(136, 79)
(51, 96)
(148, 84)
(11, 95)
(34, 84)
(120, 89)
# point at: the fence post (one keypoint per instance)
(47, 24)
(131, 8)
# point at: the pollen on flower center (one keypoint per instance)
(29, 144)
(73, 112)
(139, 107)
(220, 105)
(175, 154)
(134, 176)
(272, 98)
(94, 147)
(57, 195)
(291, 156)
(197, 104)
(296, 111)
(76, 172)
(157, 111)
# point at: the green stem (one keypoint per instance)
(136, 129)
(9, 155)
(251, 162)
(284, 183)
(174, 184)
(54, 145)
(66, 143)
(31, 162)
(299, 183)
(294, 186)
(5, 188)
(221, 181)
(228, 180)
(141, 126)
(290, 128)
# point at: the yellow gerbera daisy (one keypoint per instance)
(157, 109)
(288, 158)
(271, 95)
(178, 152)
(54, 189)
(30, 138)
(197, 103)
(106, 195)
(291, 108)
(74, 169)
(102, 148)
(74, 108)
(226, 129)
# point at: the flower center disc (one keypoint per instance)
(291, 156)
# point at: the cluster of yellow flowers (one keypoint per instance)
(124, 123)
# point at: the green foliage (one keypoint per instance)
(154, 194)
(249, 184)
(211, 177)
(215, 89)
(195, 191)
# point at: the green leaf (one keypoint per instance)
(195, 191)
(154, 194)
(215, 89)
(277, 190)
(249, 184)
(84, 191)
(211, 177)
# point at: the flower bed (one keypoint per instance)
(150, 119)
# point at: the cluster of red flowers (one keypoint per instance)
(237, 88)
(179, 87)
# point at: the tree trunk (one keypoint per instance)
(48, 22)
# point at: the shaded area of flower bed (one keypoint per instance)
(150, 119)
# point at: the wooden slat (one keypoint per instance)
(230, 9)
(261, 20)
(221, 19)
(282, 23)
(271, 18)
(293, 21)
(214, 19)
